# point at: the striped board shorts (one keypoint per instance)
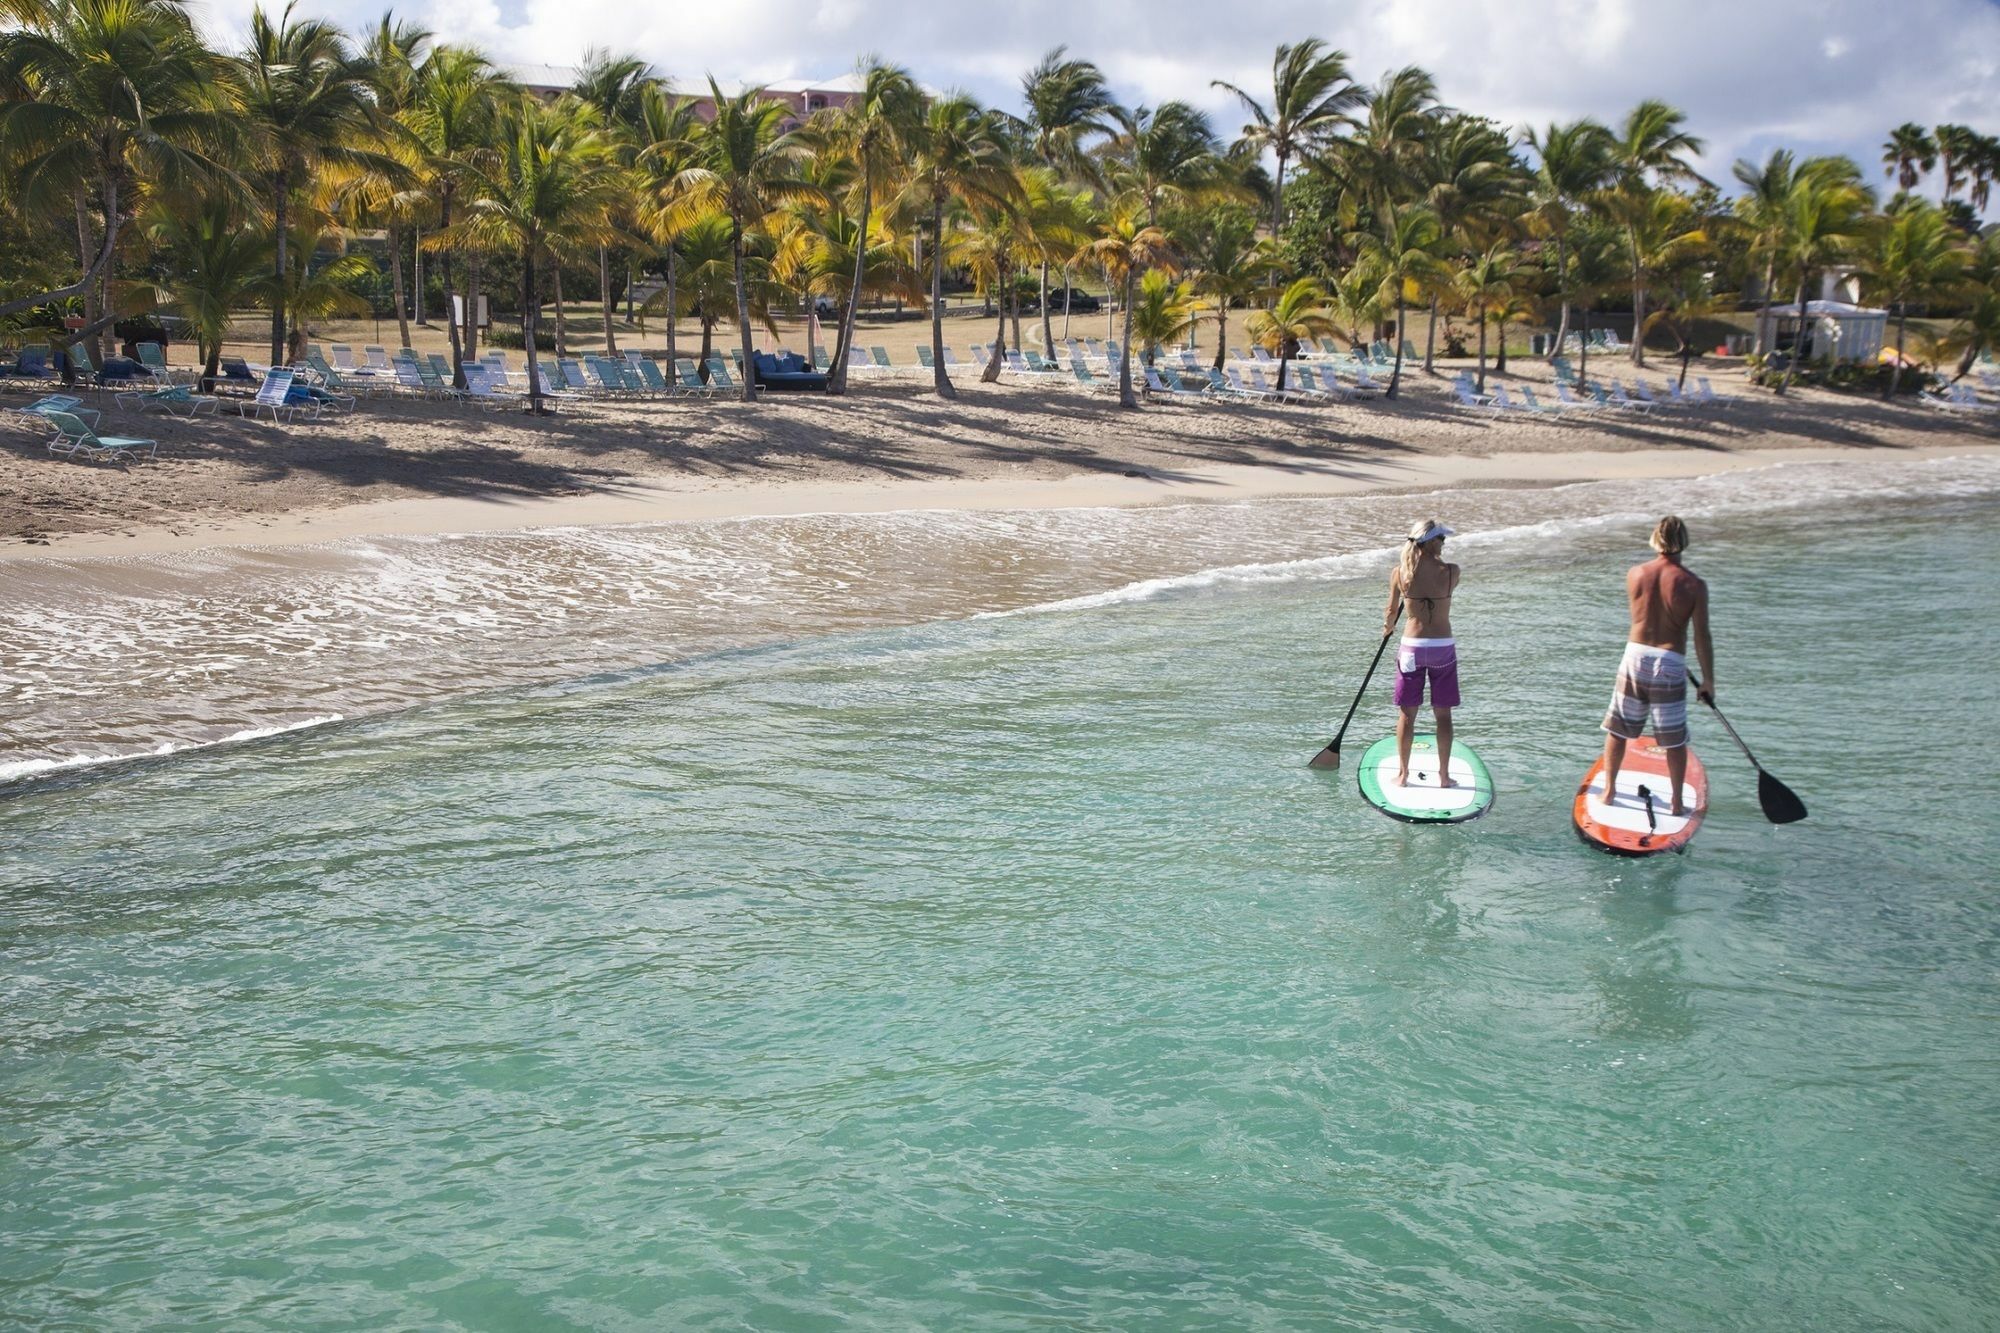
(1652, 684)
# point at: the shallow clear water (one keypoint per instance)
(1015, 970)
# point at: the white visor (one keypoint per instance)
(1432, 533)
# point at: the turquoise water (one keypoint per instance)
(1015, 971)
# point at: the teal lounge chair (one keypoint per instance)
(56, 402)
(176, 400)
(76, 440)
(881, 356)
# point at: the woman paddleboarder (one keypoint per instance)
(1422, 584)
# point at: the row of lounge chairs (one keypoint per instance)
(1576, 400)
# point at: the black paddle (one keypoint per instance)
(1329, 757)
(1781, 804)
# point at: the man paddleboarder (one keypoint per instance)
(1667, 599)
(1422, 583)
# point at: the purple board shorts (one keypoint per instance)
(1438, 662)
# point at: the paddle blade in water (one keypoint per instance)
(1328, 757)
(1781, 804)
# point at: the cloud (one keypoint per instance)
(1816, 75)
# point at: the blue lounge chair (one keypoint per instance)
(76, 440)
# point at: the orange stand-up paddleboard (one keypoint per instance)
(1636, 820)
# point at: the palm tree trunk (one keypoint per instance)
(939, 380)
(1798, 338)
(396, 282)
(1482, 349)
(1430, 337)
(417, 276)
(844, 344)
(562, 327)
(1500, 353)
(1048, 325)
(1126, 398)
(280, 191)
(1065, 278)
(749, 393)
(1896, 372)
(1396, 371)
(450, 323)
(1014, 305)
(1583, 347)
(1764, 311)
(673, 309)
(1687, 354)
(996, 356)
(92, 307)
(529, 310)
(707, 345)
(1278, 195)
(1221, 331)
(1562, 285)
(604, 295)
(1284, 362)
(1639, 325)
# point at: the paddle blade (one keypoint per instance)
(1781, 804)
(1328, 757)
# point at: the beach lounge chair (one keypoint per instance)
(1291, 393)
(1085, 380)
(1565, 373)
(176, 400)
(1234, 384)
(650, 376)
(74, 439)
(718, 374)
(881, 356)
(1708, 397)
(1475, 402)
(39, 410)
(924, 357)
(1537, 406)
(1570, 401)
(1322, 382)
(237, 371)
(1155, 383)
(1621, 399)
(341, 355)
(273, 396)
(378, 358)
(687, 379)
(31, 363)
(154, 358)
(821, 361)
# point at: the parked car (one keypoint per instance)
(1079, 302)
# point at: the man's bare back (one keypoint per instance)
(1665, 598)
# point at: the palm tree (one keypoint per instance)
(1977, 331)
(1311, 98)
(1956, 144)
(1825, 217)
(1379, 163)
(553, 181)
(1227, 263)
(1471, 183)
(1984, 163)
(1650, 148)
(1686, 298)
(1402, 256)
(1164, 312)
(615, 87)
(955, 154)
(1067, 103)
(707, 287)
(393, 57)
(664, 147)
(1661, 231)
(1761, 208)
(215, 266)
(870, 131)
(1594, 269)
(1159, 158)
(306, 106)
(1917, 256)
(126, 98)
(1357, 302)
(311, 291)
(1908, 153)
(1573, 162)
(452, 123)
(1487, 280)
(746, 165)
(1126, 249)
(1516, 307)
(1298, 314)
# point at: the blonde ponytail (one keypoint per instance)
(1412, 549)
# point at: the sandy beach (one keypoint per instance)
(399, 467)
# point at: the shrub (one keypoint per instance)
(508, 336)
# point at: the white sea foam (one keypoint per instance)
(21, 769)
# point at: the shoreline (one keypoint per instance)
(642, 501)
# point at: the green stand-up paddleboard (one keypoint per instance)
(1423, 800)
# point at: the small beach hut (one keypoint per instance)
(1831, 331)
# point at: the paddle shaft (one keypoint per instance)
(1781, 804)
(1333, 746)
(1702, 694)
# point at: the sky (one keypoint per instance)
(1812, 75)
